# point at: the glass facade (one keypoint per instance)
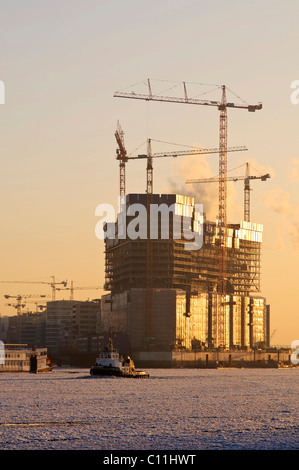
(169, 261)
(179, 323)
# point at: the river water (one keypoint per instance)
(175, 409)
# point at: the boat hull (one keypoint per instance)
(105, 371)
(111, 372)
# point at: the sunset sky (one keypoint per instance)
(62, 61)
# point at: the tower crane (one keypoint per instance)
(38, 307)
(181, 153)
(123, 157)
(246, 180)
(19, 305)
(72, 288)
(53, 284)
(222, 106)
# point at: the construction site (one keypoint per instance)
(182, 289)
(176, 304)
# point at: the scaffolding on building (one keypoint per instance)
(193, 272)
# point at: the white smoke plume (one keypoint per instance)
(285, 224)
(199, 167)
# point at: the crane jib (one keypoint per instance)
(139, 96)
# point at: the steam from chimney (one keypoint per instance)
(198, 167)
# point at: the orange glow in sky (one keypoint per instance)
(62, 61)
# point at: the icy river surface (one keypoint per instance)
(175, 409)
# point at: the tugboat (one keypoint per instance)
(110, 364)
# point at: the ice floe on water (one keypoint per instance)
(175, 409)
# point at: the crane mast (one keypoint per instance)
(149, 169)
(149, 247)
(121, 155)
(222, 221)
(247, 195)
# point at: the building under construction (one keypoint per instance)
(164, 292)
(168, 293)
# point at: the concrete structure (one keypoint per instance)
(173, 328)
(280, 357)
(68, 320)
(29, 328)
(164, 293)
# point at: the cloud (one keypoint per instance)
(294, 234)
(278, 200)
(294, 172)
(195, 167)
(283, 214)
(199, 167)
(285, 225)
